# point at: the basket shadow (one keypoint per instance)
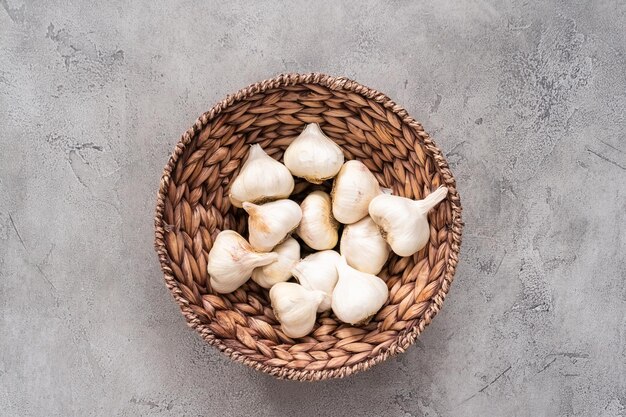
(371, 392)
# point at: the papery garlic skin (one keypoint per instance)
(279, 271)
(261, 179)
(270, 223)
(404, 222)
(318, 271)
(313, 156)
(353, 189)
(318, 228)
(231, 261)
(358, 295)
(364, 247)
(295, 307)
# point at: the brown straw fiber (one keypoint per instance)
(193, 207)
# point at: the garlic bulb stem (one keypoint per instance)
(431, 200)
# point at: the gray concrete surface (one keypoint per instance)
(527, 100)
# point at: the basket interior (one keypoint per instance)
(195, 207)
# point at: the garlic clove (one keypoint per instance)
(353, 189)
(404, 222)
(318, 228)
(279, 271)
(358, 295)
(313, 156)
(318, 271)
(231, 261)
(364, 247)
(261, 179)
(295, 307)
(270, 223)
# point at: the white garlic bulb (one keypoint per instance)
(404, 222)
(295, 307)
(364, 247)
(318, 228)
(231, 261)
(261, 179)
(318, 271)
(270, 223)
(313, 156)
(357, 295)
(279, 271)
(354, 187)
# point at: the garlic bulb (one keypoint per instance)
(261, 179)
(364, 247)
(279, 271)
(295, 307)
(318, 228)
(313, 156)
(404, 222)
(318, 271)
(270, 223)
(231, 261)
(357, 295)
(353, 189)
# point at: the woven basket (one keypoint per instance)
(193, 206)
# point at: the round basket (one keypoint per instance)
(193, 207)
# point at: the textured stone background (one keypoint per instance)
(526, 100)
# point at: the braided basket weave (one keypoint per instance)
(193, 206)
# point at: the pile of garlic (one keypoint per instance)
(345, 282)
